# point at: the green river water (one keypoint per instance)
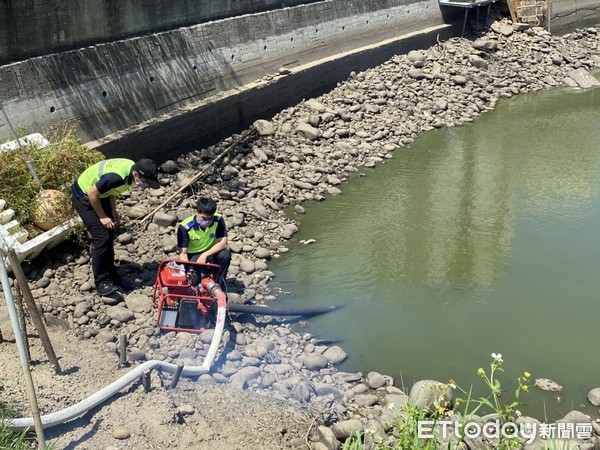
(476, 239)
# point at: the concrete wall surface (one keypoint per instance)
(185, 88)
(37, 27)
(107, 88)
(568, 14)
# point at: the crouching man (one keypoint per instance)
(202, 238)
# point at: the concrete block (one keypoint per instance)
(31, 139)
(6, 216)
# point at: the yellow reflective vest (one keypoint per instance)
(91, 175)
(200, 240)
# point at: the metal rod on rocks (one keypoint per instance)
(196, 177)
(146, 381)
(22, 322)
(36, 317)
(122, 350)
(176, 376)
(27, 161)
(35, 411)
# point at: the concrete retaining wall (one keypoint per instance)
(568, 14)
(183, 89)
(37, 27)
(108, 88)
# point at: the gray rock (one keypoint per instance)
(260, 209)
(485, 44)
(583, 78)
(82, 309)
(163, 219)
(136, 212)
(301, 391)
(206, 336)
(375, 380)
(594, 396)
(264, 127)
(366, 400)
(139, 303)
(546, 384)
(374, 434)
(169, 167)
(262, 253)
(417, 57)
(121, 433)
(417, 74)
(575, 417)
(267, 380)
(477, 61)
(315, 105)
(125, 238)
(335, 355)
(260, 155)
(186, 410)
(288, 231)
(120, 314)
(42, 283)
(247, 265)
(459, 80)
(327, 438)
(315, 361)
(344, 429)
(430, 394)
(307, 131)
(324, 389)
(302, 185)
(397, 400)
(105, 336)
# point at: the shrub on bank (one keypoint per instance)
(56, 165)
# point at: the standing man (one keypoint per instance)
(202, 238)
(94, 198)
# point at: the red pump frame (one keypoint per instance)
(170, 291)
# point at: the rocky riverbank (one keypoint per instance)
(304, 153)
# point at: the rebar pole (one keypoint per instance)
(122, 351)
(146, 381)
(14, 320)
(27, 161)
(34, 313)
(176, 376)
(22, 322)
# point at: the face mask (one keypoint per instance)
(141, 185)
(205, 223)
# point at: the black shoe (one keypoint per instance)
(124, 284)
(106, 288)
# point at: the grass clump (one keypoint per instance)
(10, 440)
(57, 166)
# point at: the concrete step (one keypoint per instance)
(6, 216)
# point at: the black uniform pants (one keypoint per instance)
(103, 253)
(222, 259)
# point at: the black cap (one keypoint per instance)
(148, 170)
